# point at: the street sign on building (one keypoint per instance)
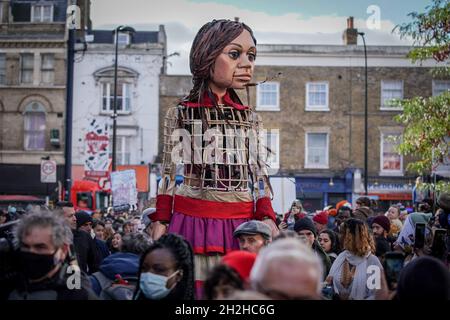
(48, 171)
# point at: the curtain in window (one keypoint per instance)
(34, 130)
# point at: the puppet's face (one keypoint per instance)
(233, 68)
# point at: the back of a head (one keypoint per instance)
(364, 201)
(424, 278)
(356, 238)
(289, 251)
(136, 243)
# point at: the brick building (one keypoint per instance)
(33, 75)
(314, 114)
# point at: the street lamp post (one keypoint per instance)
(114, 116)
(366, 178)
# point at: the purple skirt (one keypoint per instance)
(206, 235)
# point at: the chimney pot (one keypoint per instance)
(350, 23)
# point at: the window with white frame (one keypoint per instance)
(2, 68)
(317, 96)
(48, 68)
(391, 89)
(34, 127)
(440, 86)
(42, 13)
(391, 162)
(26, 67)
(123, 97)
(268, 96)
(316, 150)
(123, 155)
(273, 144)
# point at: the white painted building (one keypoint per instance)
(141, 60)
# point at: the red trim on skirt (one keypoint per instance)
(213, 209)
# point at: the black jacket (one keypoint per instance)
(87, 252)
(55, 288)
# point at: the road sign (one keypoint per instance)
(48, 171)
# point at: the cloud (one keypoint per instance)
(182, 19)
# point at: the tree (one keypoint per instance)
(427, 120)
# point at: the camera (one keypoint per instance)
(8, 261)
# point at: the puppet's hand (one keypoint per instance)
(158, 229)
(272, 226)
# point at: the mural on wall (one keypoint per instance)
(96, 161)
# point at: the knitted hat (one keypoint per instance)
(82, 218)
(382, 221)
(305, 224)
(321, 217)
(343, 203)
(240, 261)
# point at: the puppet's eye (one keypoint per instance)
(234, 54)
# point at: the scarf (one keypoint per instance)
(342, 282)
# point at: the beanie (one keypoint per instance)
(383, 221)
(321, 217)
(305, 224)
(82, 218)
(343, 203)
(241, 262)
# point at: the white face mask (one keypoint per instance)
(153, 286)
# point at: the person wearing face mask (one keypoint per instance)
(166, 270)
(43, 242)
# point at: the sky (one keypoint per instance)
(273, 22)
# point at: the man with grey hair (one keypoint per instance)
(42, 240)
(287, 270)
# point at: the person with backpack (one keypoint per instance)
(166, 270)
(118, 274)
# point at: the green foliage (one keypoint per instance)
(427, 124)
(430, 32)
(427, 120)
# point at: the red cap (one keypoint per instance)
(321, 217)
(240, 261)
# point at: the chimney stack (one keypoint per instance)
(350, 35)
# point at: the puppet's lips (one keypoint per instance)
(243, 77)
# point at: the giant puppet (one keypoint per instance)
(218, 140)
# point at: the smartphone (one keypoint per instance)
(393, 265)
(419, 235)
(439, 246)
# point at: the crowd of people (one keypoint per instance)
(330, 254)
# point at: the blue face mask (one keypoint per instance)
(153, 286)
